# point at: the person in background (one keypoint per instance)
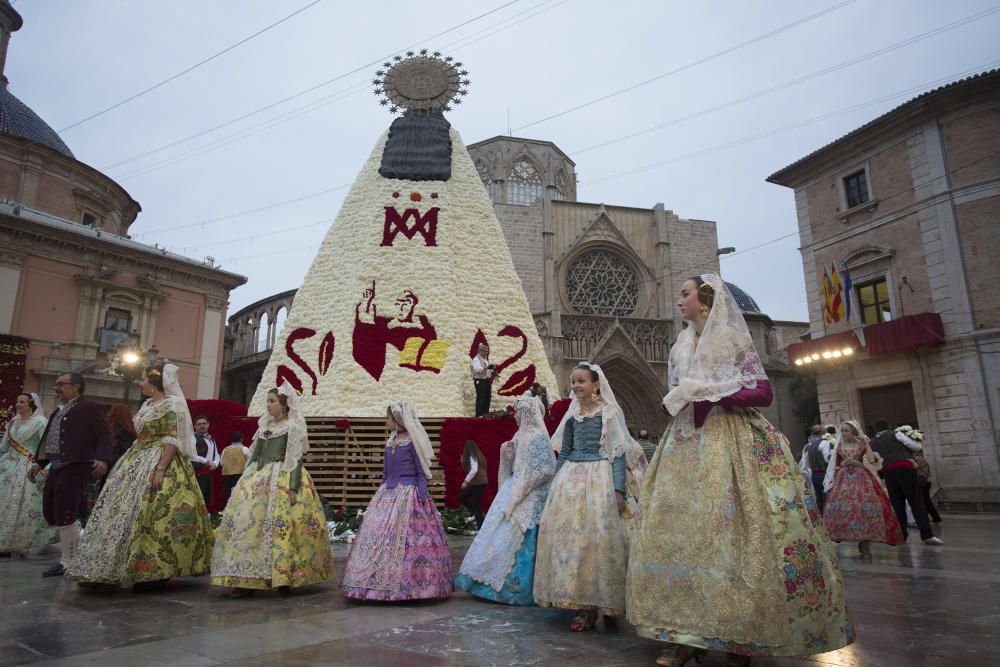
(900, 475)
(122, 431)
(234, 462)
(815, 457)
(475, 482)
(207, 460)
(542, 394)
(648, 448)
(482, 379)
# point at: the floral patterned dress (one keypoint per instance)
(22, 525)
(730, 552)
(134, 535)
(857, 507)
(264, 540)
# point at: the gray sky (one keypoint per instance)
(73, 58)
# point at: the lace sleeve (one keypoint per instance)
(506, 462)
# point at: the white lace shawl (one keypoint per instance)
(529, 459)
(294, 426)
(716, 364)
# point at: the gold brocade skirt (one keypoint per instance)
(730, 552)
(582, 553)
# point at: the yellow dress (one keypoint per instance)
(730, 552)
(134, 535)
(264, 541)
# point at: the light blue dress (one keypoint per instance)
(500, 564)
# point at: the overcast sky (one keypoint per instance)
(534, 58)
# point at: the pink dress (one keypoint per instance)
(401, 551)
(857, 507)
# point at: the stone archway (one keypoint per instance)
(637, 394)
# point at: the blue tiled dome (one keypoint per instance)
(745, 301)
(17, 119)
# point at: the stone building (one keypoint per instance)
(909, 204)
(71, 280)
(601, 281)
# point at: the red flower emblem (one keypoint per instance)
(415, 196)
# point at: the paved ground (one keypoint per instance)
(913, 605)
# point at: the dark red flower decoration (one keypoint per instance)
(343, 423)
(395, 195)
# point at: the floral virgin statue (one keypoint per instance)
(729, 553)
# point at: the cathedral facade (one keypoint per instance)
(602, 279)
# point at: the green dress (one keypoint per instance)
(134, 535)
(22, 525)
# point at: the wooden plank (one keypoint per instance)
(346, 465)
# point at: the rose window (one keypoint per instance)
(602, 283)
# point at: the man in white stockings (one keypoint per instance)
(77, 444)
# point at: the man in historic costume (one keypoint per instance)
(899, 471)
(208, 458)
(482, 378)
(77, 444)
(815, 457)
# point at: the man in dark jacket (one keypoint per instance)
(900, 474)
(77, 444)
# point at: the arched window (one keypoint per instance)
(525, 184)
(562, 186)
(262, 334)
(486, 177)
(248, 337)
(600, 282)
(279, 323)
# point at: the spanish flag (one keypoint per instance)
(836, 296)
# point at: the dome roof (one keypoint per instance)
(745, 301)
(17, 119)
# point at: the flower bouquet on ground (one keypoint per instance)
(344, 525)
(458, 522)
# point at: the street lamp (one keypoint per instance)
(128, 363)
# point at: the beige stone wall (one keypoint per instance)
(979, 228)
(522, 229)
(973, 144)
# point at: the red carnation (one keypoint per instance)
(415, 196)
(343, 423)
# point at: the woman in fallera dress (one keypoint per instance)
(582, 546)
(401, 550)
(150, 521)
(273, 534)
(22, 526)
(857, 505)
(500, 564)
(729, 552)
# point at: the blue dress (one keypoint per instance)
(500, 564)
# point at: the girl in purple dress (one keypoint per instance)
(401, 552)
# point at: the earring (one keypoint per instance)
(704, 310)
(593, 396)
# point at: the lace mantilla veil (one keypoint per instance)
(298, 435)
(185, 429)
(533, 464)
(716, 364)
(405, 415)
(615, 438)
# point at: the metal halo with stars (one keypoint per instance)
(421, 81)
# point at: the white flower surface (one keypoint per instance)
(463, 283)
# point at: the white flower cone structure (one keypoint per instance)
(411, 277)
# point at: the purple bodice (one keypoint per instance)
(403, 467)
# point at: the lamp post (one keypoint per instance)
(129, 362)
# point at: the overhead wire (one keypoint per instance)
(306, 91)
(189, 69)
(303, 110)
(694, 63)
(853, 61)
(794, 82)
